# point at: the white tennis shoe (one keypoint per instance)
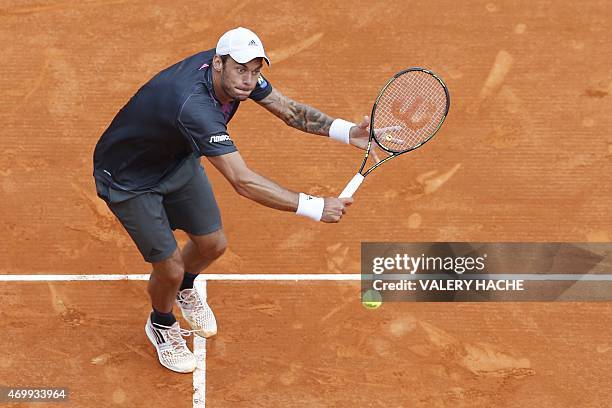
(197, 313)
(171, 347)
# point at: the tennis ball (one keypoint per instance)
(371, 299)
(388, 137)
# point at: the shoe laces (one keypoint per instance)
(175, 335)
(190, 300)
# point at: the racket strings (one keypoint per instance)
(412, 108)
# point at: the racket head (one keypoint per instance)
(410, 109)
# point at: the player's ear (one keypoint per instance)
(217, 63)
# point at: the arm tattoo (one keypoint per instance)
(297, 115)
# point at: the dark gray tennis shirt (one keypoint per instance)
(173, 116)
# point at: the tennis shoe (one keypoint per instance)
(197, 313)
(171, 347)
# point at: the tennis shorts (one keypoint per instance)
(182, 200)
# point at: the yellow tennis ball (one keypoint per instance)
(388, 137)
(371, 299)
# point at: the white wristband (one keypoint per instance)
(340, 129)
(311, 207)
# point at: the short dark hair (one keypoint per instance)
(224, 58)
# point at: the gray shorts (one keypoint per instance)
(183, 200)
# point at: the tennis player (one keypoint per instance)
(147, 170)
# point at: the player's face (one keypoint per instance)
(239, 80)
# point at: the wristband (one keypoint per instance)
(340, 129)
(311, 207)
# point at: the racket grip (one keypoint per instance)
(352, 186)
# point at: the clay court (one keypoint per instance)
(524, 156)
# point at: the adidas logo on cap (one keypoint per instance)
(253, 43)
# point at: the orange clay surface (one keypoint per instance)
(525, 155)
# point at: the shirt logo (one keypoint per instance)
(219, 138)
(262, 82)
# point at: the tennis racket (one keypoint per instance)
(408, 112)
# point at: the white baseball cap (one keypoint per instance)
(242, 45)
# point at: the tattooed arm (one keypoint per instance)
(297, 115)
(311, 120)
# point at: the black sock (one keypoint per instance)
(164, 319)
(188, 279)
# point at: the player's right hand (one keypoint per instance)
(334, 208)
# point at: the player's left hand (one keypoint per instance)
(359, 136)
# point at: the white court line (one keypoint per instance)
(144, 277)
(199, 350)
(48, 278)
(312, 277)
